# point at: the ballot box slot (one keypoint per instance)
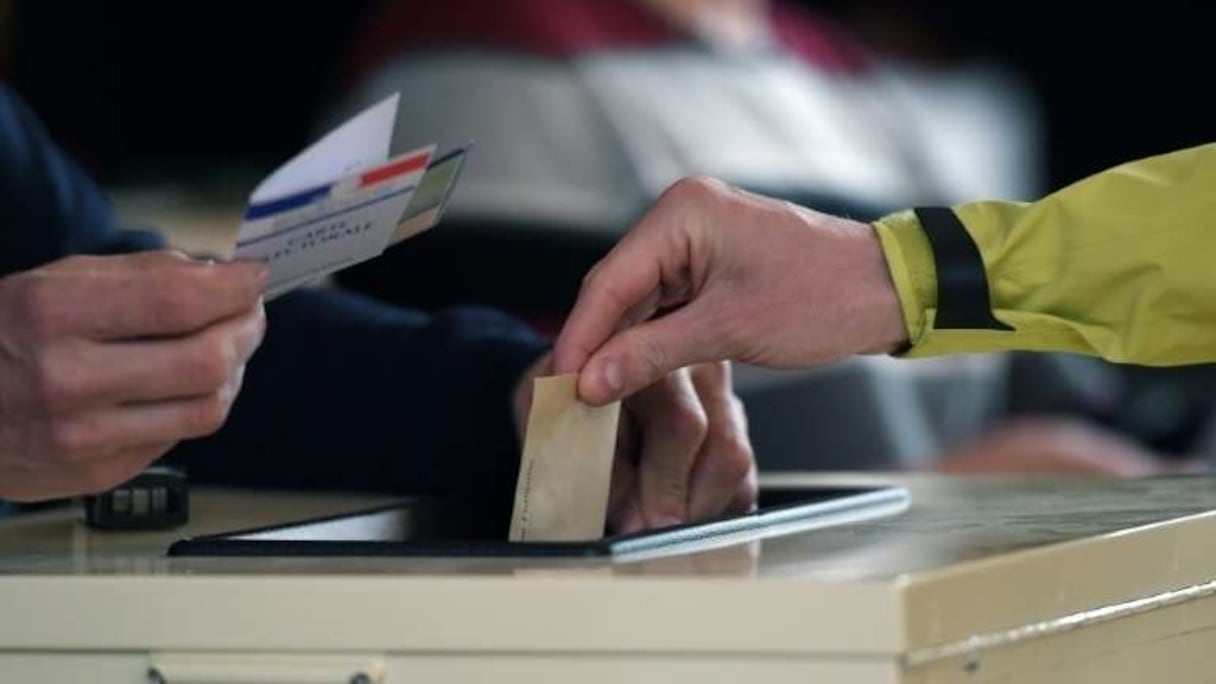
(452, 528)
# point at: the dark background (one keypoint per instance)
(143, 90)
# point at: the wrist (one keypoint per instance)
(880, 324)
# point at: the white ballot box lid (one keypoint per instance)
(975, 564)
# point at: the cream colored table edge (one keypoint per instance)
(1148, 610)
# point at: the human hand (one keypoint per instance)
(107, 362)
(682, 452)
(711, 273)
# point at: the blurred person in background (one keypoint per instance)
(583, 111)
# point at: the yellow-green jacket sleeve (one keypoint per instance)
(1120, 265)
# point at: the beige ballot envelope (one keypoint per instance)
(566, 468)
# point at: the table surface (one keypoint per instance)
(950, 521)
(971, 556)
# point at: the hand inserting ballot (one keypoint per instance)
(682, 452)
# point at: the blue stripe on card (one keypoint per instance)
(300, 199)
(324, 217)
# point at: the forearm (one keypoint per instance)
(1117, 265)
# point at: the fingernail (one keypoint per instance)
(611, 373)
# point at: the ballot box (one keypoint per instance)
(979, 580)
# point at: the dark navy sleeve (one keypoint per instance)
(49, 208)
(349, 393)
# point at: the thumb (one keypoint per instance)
(638, 357)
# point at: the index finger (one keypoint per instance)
(628, 277)
(145, 295)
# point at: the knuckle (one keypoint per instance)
(738, 406)
(207, 415)
(749, 491)
(69, 440)
(736, 413)
(739, 414)
(210, 363)
(179, 296)
(598, 285)
(715, 376)
(259, 314)
(612, 295)
(737, 458)
(689, 424)
(692, 188)
(52, 385)
(171, 308)
(253, 341)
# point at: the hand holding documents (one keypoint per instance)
(342, 201)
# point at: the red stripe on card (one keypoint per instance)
(397, 168)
